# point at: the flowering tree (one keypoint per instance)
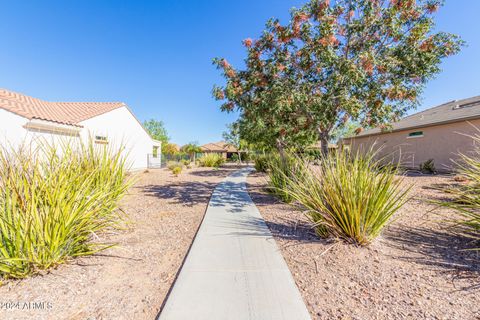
(361, 60)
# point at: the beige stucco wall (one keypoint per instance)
(441, 143)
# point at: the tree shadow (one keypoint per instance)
(445, 250)
(296, 229)
(211, 172)
(187, 193)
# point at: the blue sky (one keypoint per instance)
(156, 55)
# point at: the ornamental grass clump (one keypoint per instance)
(211, 160)
(467, 196)
(261, 163)
(348, 196)
(281, 171)
(55, 201)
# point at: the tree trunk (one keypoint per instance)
(281, 151)
(239, 157)
(323, 137)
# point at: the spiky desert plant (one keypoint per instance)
(467, 196)
(281, 171)
(347, 196)
(54, 201)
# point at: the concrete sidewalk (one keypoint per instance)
(234, 269)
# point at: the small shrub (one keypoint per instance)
(261, 163)
(54, 202)
(177, 170)
(172, 164)
(428, 167)
(211, 160)
(186, 162)
(234, 158)
(347, 196)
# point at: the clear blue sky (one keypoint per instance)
(156, 55)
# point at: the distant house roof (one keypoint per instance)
(452, 111)
(70, 113)
(220, 146)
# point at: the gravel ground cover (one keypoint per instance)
(417, 269)
(131, 280)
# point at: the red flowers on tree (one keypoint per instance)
(364, 61)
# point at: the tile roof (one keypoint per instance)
(453, 111)
(70, 113)
(220, 146)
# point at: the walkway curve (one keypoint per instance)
(234, 269)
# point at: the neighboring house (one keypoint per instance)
(440, 133)
(222, 148)
(27, 121)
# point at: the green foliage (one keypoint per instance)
(233, 138)
(467, 196)
(170, 149)
(177, 170)
(157, 130)
(281, 172)
(344, 130)
(235, 158)
(428, 167)
(347, 196)
(191, 149)
(335, 61)
(211, 160)
(261, 163)
(54, 203)
(186, 162)
(172, 164)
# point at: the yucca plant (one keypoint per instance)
(54, 201)
(348, 196)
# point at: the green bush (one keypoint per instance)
(211, 160)
(234, 158)
(177, 170)
(347, 196)
(173, 164)
(54, 202)
(428, 167)
(186, 162)
(261, 163)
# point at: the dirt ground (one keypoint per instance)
(131, 280)
(415, 270)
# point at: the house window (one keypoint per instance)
(101, 140)
(416, 134)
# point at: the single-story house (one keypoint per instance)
(221, 147)
(27, 121)
(440, 133)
